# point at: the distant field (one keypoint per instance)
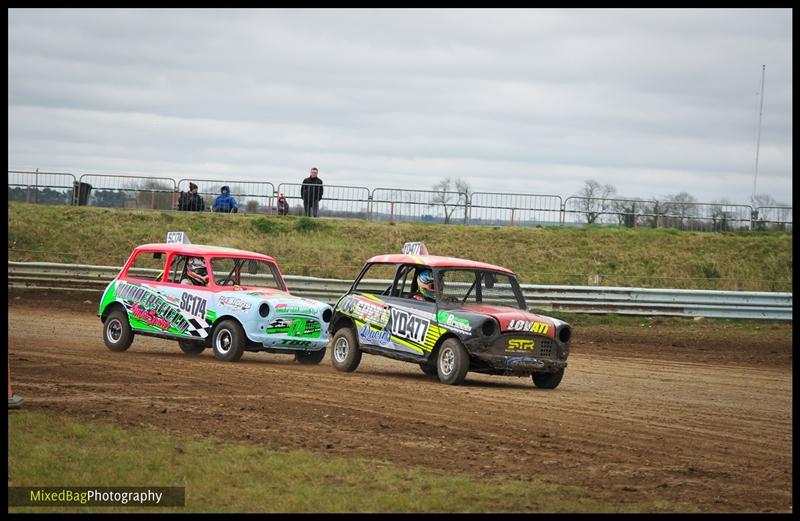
(754, 261)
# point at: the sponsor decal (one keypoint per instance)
(519, 361)
(149, 317)
(235, 302)
(151, 304)
(523, 325)
(193, 304)
(298, 327)
(294, 309)
(523, 344)
(366, 310)
(405, 325)
(448, 319)
(373, 336)
(292, 342)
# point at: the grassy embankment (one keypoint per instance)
(336, 248)
(59, 451)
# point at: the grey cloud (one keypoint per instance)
(654, 101)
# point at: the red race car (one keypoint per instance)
(448, 315)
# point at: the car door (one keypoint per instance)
(411, 323)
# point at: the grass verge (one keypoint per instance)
(337, 248)
(221, 477)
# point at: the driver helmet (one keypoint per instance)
(425, 284)
(196, 271)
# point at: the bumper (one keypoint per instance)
(510, 353)
(290, 343)
(522, 364)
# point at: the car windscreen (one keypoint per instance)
(461, 287)
(237, 271)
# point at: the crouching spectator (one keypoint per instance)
(283, 206)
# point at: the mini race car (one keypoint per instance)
(448, 315)
(207, 296)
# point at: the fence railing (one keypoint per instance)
(391, 204)
(251, 196)
(577, 299)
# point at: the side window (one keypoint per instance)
(497, 290)
(180, 267)
(458, 286)
(377, 279)
(258, 273)
(406, 282)
(148, 265)
(225, 271)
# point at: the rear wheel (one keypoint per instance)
(191, 348)
(548, 380)
(117, 333)
(309, 357)
(345, 355)
(453, 362)
(228, 341)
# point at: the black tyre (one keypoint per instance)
(191, 348)
(345, 355)
(117, 332)
(548, 380)
(228, 341)
(309, 357)
(453, 362)
(428, 368)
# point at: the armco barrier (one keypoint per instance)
(578, 299)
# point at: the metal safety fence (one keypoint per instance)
(756, 305)
(338, 201)
(251, 196)
(40, 187)
(515, 209)
(392, 204)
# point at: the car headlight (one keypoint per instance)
(263, 309)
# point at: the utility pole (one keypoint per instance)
(758, 138)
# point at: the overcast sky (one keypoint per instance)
(654, 102)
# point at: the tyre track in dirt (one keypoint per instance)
(716, 436)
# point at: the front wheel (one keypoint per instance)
(191, 348)
(345, 355)
(309, 357)
(548, 380)
(117, 333)
(228, 341)
(453, 362)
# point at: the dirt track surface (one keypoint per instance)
(654, 418)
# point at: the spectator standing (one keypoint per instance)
(225, 202)
(191, 201)
(283, 206)
(311, 192)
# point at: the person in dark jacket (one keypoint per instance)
(191, 201)
(225, 202)
(311, 192)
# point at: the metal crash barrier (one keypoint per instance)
(757, 305)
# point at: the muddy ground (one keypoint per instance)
(699, 417)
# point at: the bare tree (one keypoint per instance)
(464, 194)
(594, 199)
(678, 207)
(451, 195)
(153, 194)
(766, 209)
